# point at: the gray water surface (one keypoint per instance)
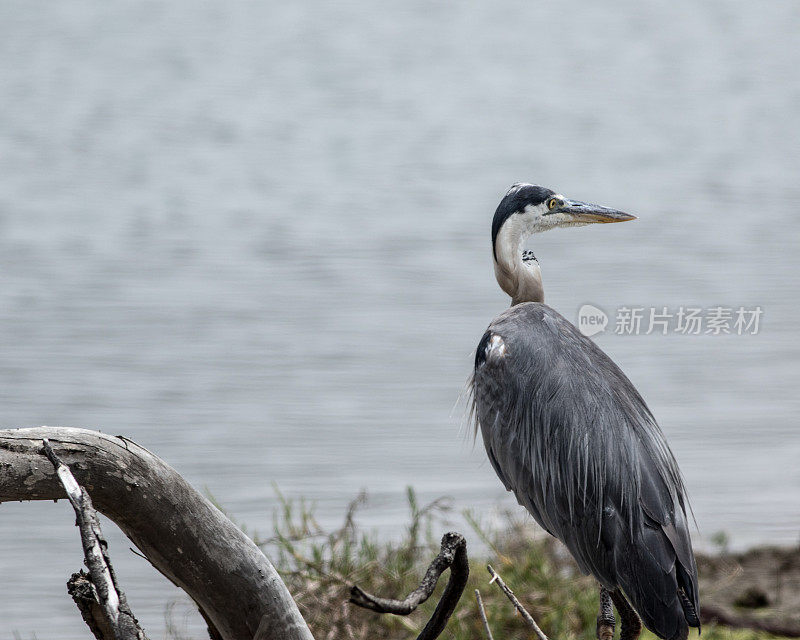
(254, 237)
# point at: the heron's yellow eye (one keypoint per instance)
(552, 203)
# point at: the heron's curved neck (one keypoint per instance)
(520, 280)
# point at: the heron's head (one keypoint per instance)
(529, 208)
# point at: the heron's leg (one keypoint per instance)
(605, 617)
(630, 625)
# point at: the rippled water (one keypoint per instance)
(255, 238)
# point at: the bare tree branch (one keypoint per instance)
(510, 595)
(179, 531)
(482, 612)
(114, 612)
(453, 555)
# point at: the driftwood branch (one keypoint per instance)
(517, 604)
(112, 618)
(453, 555)
(180, 532)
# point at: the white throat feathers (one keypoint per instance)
(520, 279)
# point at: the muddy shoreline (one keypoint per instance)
(760, 587)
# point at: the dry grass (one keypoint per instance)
(320, 566)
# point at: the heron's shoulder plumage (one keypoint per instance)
(570, 435)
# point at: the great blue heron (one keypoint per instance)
(568, 433)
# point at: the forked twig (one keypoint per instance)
(453, 555)
(510, 595)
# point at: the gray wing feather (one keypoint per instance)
(570, 436)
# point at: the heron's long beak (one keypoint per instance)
(585, 212)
